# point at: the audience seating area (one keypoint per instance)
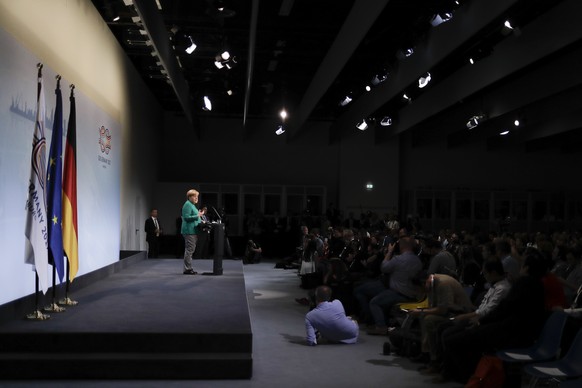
(350, 259)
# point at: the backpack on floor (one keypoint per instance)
(488, 374)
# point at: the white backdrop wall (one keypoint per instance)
(114, 190)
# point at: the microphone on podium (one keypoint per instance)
(217, 215)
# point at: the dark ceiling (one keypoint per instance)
(307, 55)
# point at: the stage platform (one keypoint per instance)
(147, 321)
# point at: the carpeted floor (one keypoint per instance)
(280, 357)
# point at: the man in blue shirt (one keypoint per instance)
(330, 320)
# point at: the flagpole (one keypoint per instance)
(66, 301)
(37, 315)
(54, 307)
(70, 184)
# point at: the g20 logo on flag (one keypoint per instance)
(104, 140)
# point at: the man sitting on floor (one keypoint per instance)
(330, 320)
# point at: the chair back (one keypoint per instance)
(573, 359)
(548, 345)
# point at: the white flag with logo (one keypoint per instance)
(36, 251)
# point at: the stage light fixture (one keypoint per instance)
(424, 80)
(346, 100)
(386, 121)
(440, 18)
(503, 133)
(116, 19)
(190, 49)
(369, 186)
(406, 98)
(283, 114)
(475, 121)
(471, 61)
(229, 92)
(508, 25)
(516, 122)
(280, 130)
(225, 55)
(408, 52)
(368, 88)
(207, 104)
(379, 78)
(362, 125)
(218, 64)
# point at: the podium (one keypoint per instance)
(218, 230)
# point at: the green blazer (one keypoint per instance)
(190, 218)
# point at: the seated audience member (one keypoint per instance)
(553, 290)
(336, 242)
(402, 270)
(575, 309)
(574, 279)
(441, 261)
(516, 322)
(446, 297)
(330, 320)
(511, 265)
(499, 288)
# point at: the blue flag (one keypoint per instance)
(55, 189)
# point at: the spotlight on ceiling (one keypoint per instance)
(369, 186)
(406, 98)
(471, 61)
(440, 18)
(218, 64)
(368, 88)
(508, 25)
(229, 92)
(362, 125)
(386, 121)
(207, 104)
(408, 52)
(475, 121)
(503, 133)
(424, 80)
(280, 130)
(116, 18)
(190, 49)
(346, 100)
(516, 123)
(379, 78)
(283, 114)
(225, 55)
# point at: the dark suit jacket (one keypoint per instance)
(150, 229)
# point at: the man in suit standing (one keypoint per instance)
(153, 232)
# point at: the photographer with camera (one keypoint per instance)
(401, 271)
(253, 253)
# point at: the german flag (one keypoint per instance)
(70, 235)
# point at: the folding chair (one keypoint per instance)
(569, 367)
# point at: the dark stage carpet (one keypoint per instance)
(146, 321)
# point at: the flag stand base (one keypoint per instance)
(55, 308)
(68, 302)
(37, 316)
